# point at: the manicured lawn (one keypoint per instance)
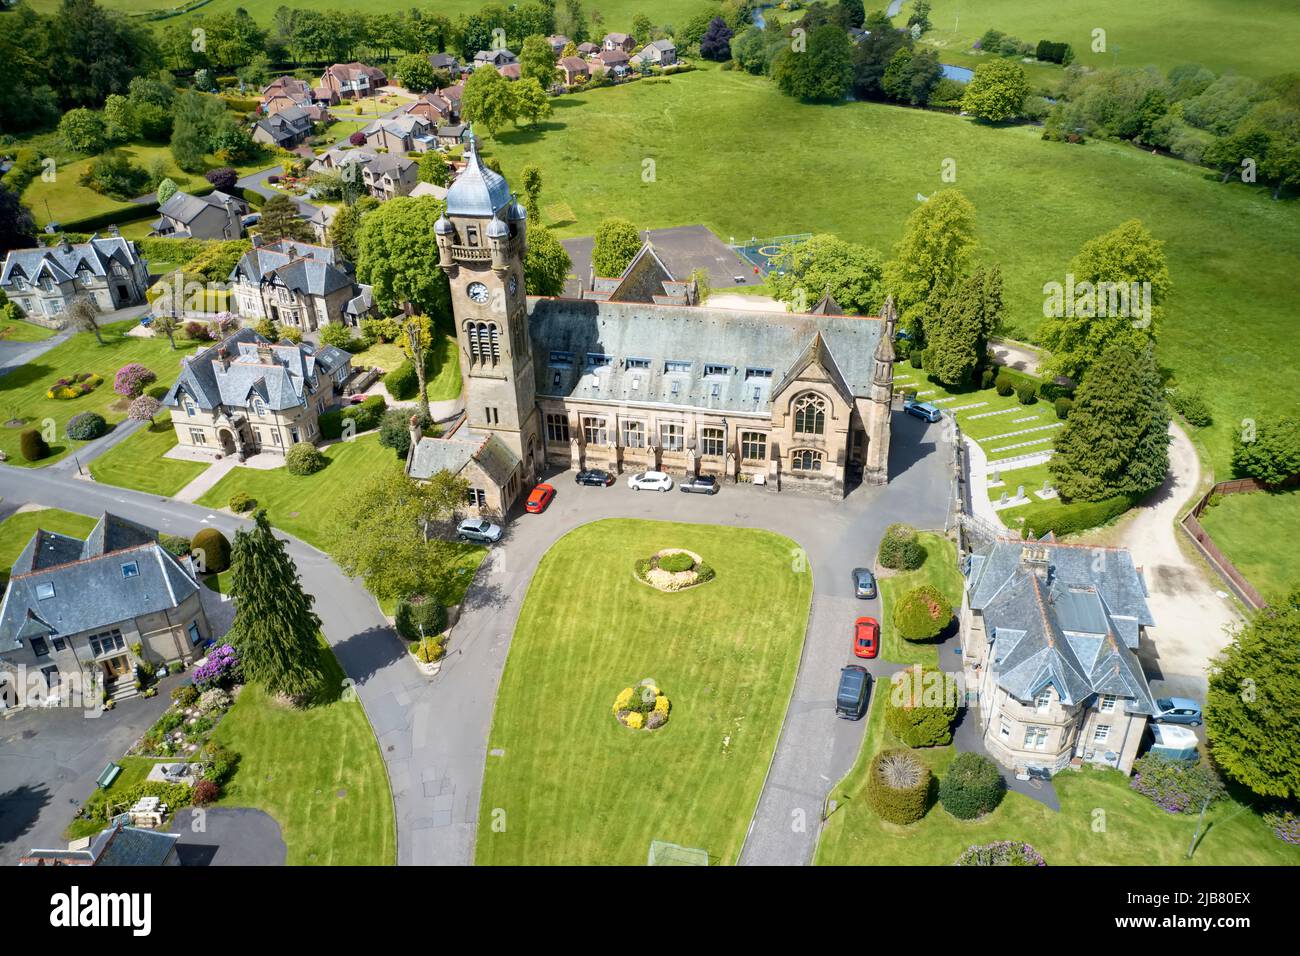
(1243, 36)
(1136, 832)
(21, 331)
(317, 770)
(576, 787)
(444, 381)
(855, 169)
(1258, 533)
(138, 462)
(940, 569)
(17, 530)
(22, 391)
(134, 770)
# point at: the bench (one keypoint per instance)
(107, 776)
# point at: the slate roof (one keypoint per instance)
(477, 191)
(387, 164)
(132, 846)
(1058, 616)
(185, 208)
(443, 61)
(337, 158)
(659, 334)
(90, 589)
(457, 450)
(63, 261)
(329, 270)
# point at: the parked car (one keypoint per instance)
(701, 485)
(480, 530)
(864, 583)
(1178, 710)
(594, 476)
(650, 481)
(866, 637)
(854, 689)
(541, 497)
(922, 410)
(252, 219)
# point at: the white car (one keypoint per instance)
(650, 481)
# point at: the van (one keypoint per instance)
(854, 690)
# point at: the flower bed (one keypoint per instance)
(74, 387)
(1001, 853)
(673, 569)
(643, 707)
(186, 726)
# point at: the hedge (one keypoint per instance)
(1076, 516)
(972, 787)
(32, 445)
(212, 550)
(331, 425)
(904, 800)
(402, 383)
(368, 414)
(416, 612)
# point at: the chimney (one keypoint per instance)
(417, 430)
(1035, 558)
(223, 356)
(264, 353)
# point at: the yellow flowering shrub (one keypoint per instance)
(634, 720)
(624, 700)
(661, 705)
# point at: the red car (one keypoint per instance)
(866, 637)
(539, 499)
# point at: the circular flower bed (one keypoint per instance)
(1001, 853)
(75, 386)
(673, 569)
(643, 707)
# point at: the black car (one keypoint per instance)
(701, 485)
(864, 583)
(594, 476)
(851, 696)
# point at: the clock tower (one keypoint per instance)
(482, 237)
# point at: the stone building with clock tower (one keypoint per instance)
(625, 378)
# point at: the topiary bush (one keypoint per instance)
(84, 426)
(241, 502)
(131, 380)
(987, 378)
(898, 786)
(1004, 383)
(922, 613)
(1026, 393)
(419, 611)
(304, 458)
(900, 548)
(402, 383)
(921, 707)
(32, 445)
(211, 550)
(1063, 406)
(972, 787)
(674, 563)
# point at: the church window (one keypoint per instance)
(809, 415)
(672, 436)
(806, 460)
(557, 427)
(593, 430)
(713, 442)
(753, 446)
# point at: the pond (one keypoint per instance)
(959, 73)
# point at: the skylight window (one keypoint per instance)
(44, 591)
(131, 570)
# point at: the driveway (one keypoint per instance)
(228, 836)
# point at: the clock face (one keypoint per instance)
(478, 292)
(514, 284)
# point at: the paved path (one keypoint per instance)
(204, 480)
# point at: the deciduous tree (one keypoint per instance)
(937, 244)
(546, 264)
(997, 92)
(615, 244)
(396, 255)
(826, 263)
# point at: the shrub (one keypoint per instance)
(972, 787)
(176, 545)
(1001, 853)
(402, 383)
(291, 333)
(916, 359)
(1191, 406)
(358, 138)
(241, 502)
(430, 650)
(131, 380)
(922, 613)
(368, 414)
(395, 430)
(900, 549)
(211, 550)
(339, 336)
(1063, 406)
(419, 615)
(74, 387)
(304, 458)
(84, 426)
(214, 700)
(205, 792)
(331, 425)
(987, 378)
(198, 331)
(1075, 516)
(675, 563)
(381, 330)
(1026, 393)
(1176, 786)
(1285, 825)
(219, 669)
(32, 445)
(221, 762)
(898, 786)
(223, 178)
(1004, 383)
(185, 696)
(920, 708)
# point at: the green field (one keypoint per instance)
(1136, 832)
(21, 331)
(1257, 532)
(22, 391)
(940, 570)
(17, 530)
(444, 381)
(574, 785)
(1255, 37)
(763, 164)
(138, 462)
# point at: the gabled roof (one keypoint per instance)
(817, 354)
(65, 260)
(453, 453)
(185, 208)
(827, 305)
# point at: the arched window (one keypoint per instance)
(806, 460)
(483, 339)
(494, 342)
(809, 414)
(471, 342)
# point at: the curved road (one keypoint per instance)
(433, 733)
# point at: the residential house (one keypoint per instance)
(324, 96)
(95, 607)
(618, 41)
(288, 86)
(445, 61)
(656, 53)
(390, 175)
(350, 80)
(588, 49)
(407, 133)
(293, 283)
(42, 281)
(613, 61)
(575, 70)
(558, 42)
(452, 94)
(320, 222)
(286, 129)
(494, 58)
(428, 189)
(246, 395)
(511, 71)
(337, 160)
(1050, 635)
(457, 134)
(119, 844)
(435, 108)
(217, 215)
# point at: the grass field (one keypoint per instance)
(20, 331)
(17, 530)
(332, 801)
(443, 384)
(138, 462)
(855, 169)
(1245, 36)
(134, 770)
(575, 786)
(1136, 832)
(940, 570)
(1257, 532)
(22, 391)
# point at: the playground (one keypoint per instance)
(764, 255)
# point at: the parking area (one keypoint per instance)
(221, 836)
(683, 249)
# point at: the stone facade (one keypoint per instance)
(41, 282)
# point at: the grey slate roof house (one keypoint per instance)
(445, 61)
(1050, 636)
(75, 606)
(657, 53)
(217, 215)
(118, 844)
(494, 58)
(42, 281)
(285, 129)
(390, 175)
(295, 283)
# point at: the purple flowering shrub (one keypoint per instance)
(131, 380)
(1175, 786)
(1285, 825)
(219, 669)
(1001, 853)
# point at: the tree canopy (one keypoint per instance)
(850, 273)
(396, 255)
(936, 248)
(615, 244)
(997, 91)
(821, 73)
(546, 264)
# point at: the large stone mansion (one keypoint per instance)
(632, 376)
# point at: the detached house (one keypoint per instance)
(618, 41)
(615, 61)
(338, 160)
(558, 42)
(494, 58)
(409, 133)
(247, 395)
(286, 129)
(575, 70)
(214, 216)
(349, 80)
(656, 53)
(42, 281)
(293, 283)
(75, 606)
(390, 175)
(445, 61)
(1050, 634)
(434, 108)
(287, 91)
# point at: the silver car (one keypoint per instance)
(480, 530)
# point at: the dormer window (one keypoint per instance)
(717, 369)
